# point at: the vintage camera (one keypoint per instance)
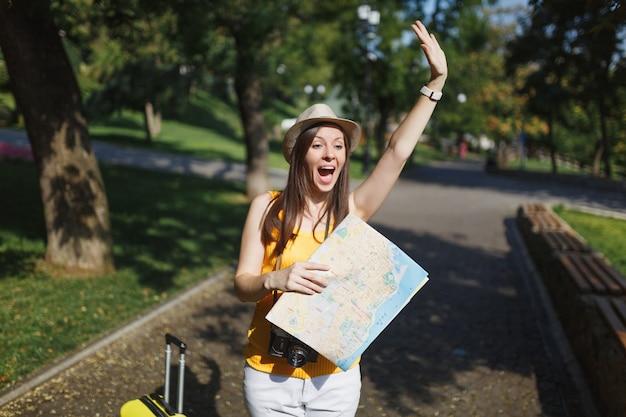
(283, 345)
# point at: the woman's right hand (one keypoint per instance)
(301, 277)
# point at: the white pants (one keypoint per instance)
(335, 395)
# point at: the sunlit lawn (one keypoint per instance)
(209, 128)
(170, 231)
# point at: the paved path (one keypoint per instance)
(161, 161)
(478, 340)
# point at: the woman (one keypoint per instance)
(283, 229)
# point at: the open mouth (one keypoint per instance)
(326, 174)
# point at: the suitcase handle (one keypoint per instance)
(169, 339)
(173, 339)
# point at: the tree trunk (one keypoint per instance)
(147, 115)
(597, 157)
(75, 205)
(606, 147)
(250, 97)
(551, 144)
(152, 121)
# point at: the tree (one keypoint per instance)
(573, 49)
(238, 41)
(473, 46)
(143, 87)
(129, 51)
(594, 53)
(75, 205)
(475, 89)
(374, 66)
(255, 29)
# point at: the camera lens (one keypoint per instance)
(297, 356)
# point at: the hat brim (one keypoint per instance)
(352, 130)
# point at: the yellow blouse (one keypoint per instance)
(256, 354)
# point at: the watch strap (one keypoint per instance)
(433, 95)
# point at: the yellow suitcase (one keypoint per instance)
(155, 405)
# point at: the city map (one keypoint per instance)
(371, 280)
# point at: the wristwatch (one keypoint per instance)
(433, 95)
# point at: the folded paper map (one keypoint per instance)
(371, 280)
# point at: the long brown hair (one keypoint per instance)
(286, 210)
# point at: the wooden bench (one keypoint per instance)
(546, 234)
(533, 207)
(589, 298)
(564, 241)
(536, 217)
(544, 220)
(613, 311)
(592, 273)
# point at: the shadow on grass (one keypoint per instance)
(124, 123)
(22, 228)
(197, 115)
(18, 262)
(164, 224)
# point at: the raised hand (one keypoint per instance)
(434, 54)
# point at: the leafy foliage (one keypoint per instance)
(564, 63)
(574, 56)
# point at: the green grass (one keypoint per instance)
(170, 231)
(541, 166)
(545, 166)
(209, 128)
(605, 234)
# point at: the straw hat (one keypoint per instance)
(315, 114)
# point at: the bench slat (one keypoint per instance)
(575, 273)
(565, 242)
(615, 315)
(601, 271)
(620, 306)
(587, 272)
(592, 273)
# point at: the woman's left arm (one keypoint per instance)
(370, 195)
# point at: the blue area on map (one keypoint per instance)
(414, 276)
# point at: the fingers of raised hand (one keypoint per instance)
(427, 39)
(421, 31)
(435, 55)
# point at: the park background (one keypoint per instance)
(539, 85)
